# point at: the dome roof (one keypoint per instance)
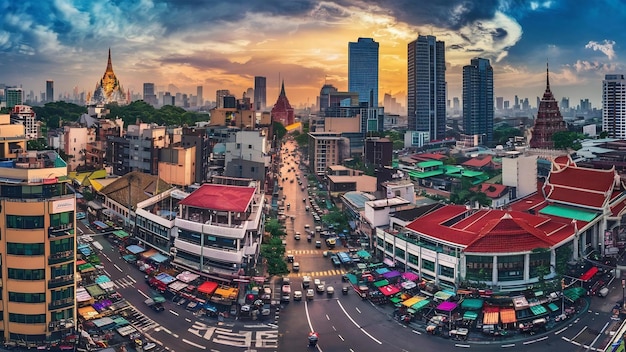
(219, 148)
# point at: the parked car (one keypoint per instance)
(310, 294)
(330, 290)
(295, 266)
(297, 295)
(318, 244)
(297, 236)
(80, 215)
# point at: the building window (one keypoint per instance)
(510, 267)
(27, 297)
(24, 222)
(25, 248)
(413, 259)
(399, 253)
(66, 244)
(446, 271)
(58, 295)
(27, 274)
(428, 265)
(62, 219)
(27, 318)
(63, 314)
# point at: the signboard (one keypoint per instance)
(63, 205)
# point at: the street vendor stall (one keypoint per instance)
(187, 277)
(83, 297)
(135, 249)
(381, 283)
(413, 300)
(472, 303)
(96, 292)
(105, 282)
(491, 315)
(176, 286)
(208, 287)
(88, 313)
(389, 290)
(410, 276)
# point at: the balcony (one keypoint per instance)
(60, 325)
(60, 257)
(61, 230)
(61, 303)
(61, 281)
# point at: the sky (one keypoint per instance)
(224, 44)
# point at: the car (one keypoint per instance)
(316, 282)
(330, 290)
(307, 226)
(306, 281)
(303, 200)
(310, 294)
(295, 266)
(285, 293)
(297, 295)
(318, 244)
(80, 215)
(335, 260)
(286, 280)
(307, 208)
(297, 236)
(321, 288)
(290, 258)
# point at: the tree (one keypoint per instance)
(274, 228)
(279, 130)
(502, 134)
(469, 194)
(274, 252)
(567, 140)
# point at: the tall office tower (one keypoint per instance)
(14, 96)
(565, 103)
(219, 97)
(549, 120)
(363, 70)
(148, 94)
(426, 93)
(49, 91)
(199, 99)
(168, 99)
(516, 106)
(614, 105)
(500, 103)
(260, 93)
(478, 100)
(38, 242)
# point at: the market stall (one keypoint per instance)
(135, 249)
(88, 313)
(410, 276)
(187, 277)
(207, 287)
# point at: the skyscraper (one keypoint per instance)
(614, 105)
(49, 91)
(14, 96)
(260, 93)
(426, 91)
(363, 70)
(219, 97)
(148, 94)
(478, 99)
(200, 100)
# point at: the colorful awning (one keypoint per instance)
(589, 274)
(472, 303)
(553, 307)
(411, 301)
(207, 287)
(538, 310)
(421, 304)
(447, 306)
(507, 316)
(470, 315)
(381, 283)
(389, 290)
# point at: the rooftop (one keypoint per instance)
(134, 187)
(221, 198)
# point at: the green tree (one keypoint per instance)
(469, 194)
(274, 252)
(279, 130)
(567, 140)
(37, 144)
(274, 228)
(502, 134)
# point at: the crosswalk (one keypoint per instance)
(138, 319)
(124, 282)
(322, 273)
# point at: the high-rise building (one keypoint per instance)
(49, 91)
(549, 120)
(14, 96)
(38, 242)
(148, 94)
(168, 99)
(478, 99)
(24, 115)
(614, 105)
(199, 99)
(219, 97)
(426, 93)
(260, 93)
(500, 103)
(363, 70)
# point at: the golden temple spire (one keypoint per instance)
(109, 64)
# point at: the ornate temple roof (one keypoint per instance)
(109, 89)
(548, 120)
(282, 111)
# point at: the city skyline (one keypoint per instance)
(192, 43)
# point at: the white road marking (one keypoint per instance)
(357, 309)
(188, 320)
(462, 346)
(118, 268)
(537, 340)
(173, 312)
(357, 325)
(143, 294)
(580, 332)
(334, 328)
(308, 319)
(509, 345)
(340, 337)
(106, 272)
(598, 336)
(560, 331)
(416, 332)
(327, 317)
(194, 344)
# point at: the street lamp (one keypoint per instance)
(623, 288)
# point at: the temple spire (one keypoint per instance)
(547, 77)
(282, 88)
(109, 64)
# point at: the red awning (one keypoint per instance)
(589, 274)
(207, 287)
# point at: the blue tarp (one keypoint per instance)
(381, 271)
(135, 249)
(344, 257)
(102, 279)
(159, 258)
(165, 278)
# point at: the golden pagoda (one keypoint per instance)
(109, 89)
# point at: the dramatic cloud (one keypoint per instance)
(606, 47)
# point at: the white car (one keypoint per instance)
(316, 282)
(310, 294)
(297, 295)
(330, 290)
(320, 288)
(297, 236)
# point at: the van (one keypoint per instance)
(296, 266)
(603, 292)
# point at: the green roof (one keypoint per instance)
(472, 303)
(452, 169)
(417, 174)
(538, 310)
(553, 307)
(421, 304)
(569, 213)
(470, 315)
(381, 283)
(429, 163)
(121, 234)
(574, 293)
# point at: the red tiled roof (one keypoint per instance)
(563, 160)
(583, 178)
(618, 208)
(221, 198)
(493, 190)
(493, 231)
(428, 156)
(575, 196)
(478, 162)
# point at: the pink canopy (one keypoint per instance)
(410, 276)
(446, 306)
(389, 290)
